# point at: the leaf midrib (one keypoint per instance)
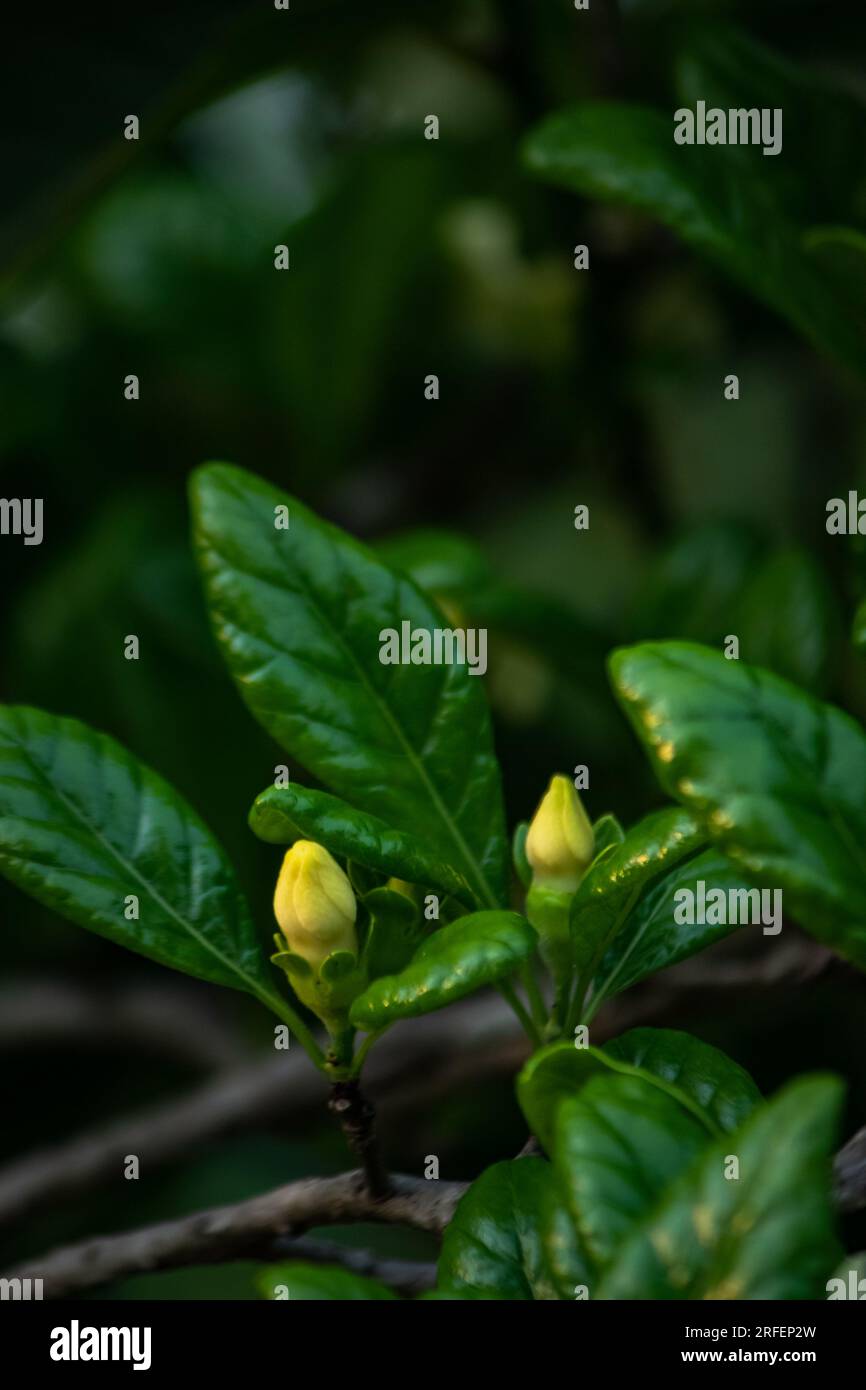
(53, 789)
(397, 729)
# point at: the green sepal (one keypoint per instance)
(328, 991)
(294, 965)
(337, 966)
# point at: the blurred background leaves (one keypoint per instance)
(557, 388)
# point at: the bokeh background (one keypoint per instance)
(558, 387)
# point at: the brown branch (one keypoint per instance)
(413, 1066)
(250, 1230)
(268, 1227)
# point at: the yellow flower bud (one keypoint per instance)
(560, 842)
(314, 904)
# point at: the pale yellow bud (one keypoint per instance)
(314, 904)
(560, 842)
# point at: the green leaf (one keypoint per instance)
(776, 776)
(281, 815)
(493, 1243)
(567, 1263)
(725, 207)
(617, 1145)
(611, 888)
(652, 938)
(559, 1072)
(297, 1282)
(393, 934)
(455, 961)
(550, 1076)
(607, 831)
(720, 1086)
(767, 1234)
(84, 825)
(298, 614)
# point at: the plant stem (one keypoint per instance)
(534, 995)
(357, 1121)
(573, 1013)
(509, 995)
(296, 1026)
(361, 1054)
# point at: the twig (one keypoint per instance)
(358, 1122)
(249, 1230)
(412, 1066)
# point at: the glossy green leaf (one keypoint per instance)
(720, 1086)
(606, 832)
(617, 1145)
(776, 776)
(393, 934)
(297, 1282)
(559, 1072)
(725, 207)
(652, 938)
(551, 1075)
(767, 1234)
(567, 1263)
(611, 888)
(84, 826)
(493, 1243)
(455, 961)
(281, 815)
(298, 613)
